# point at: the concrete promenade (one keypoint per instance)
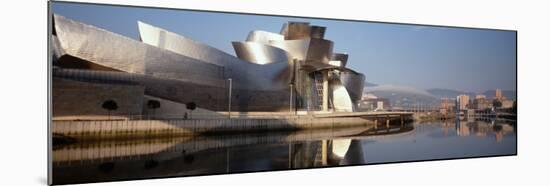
(125, 129)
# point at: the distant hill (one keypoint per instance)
(405, 95)
(402, 96)
(447, 93)
(369, 84)
(510, 94)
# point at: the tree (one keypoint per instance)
(153, 104)
(497, 103)
(109, 105)
(191, 106)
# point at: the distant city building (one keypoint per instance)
(447, 105)
(379, 105)
(443, 111)
(481, 103)
(480, 96)
(368, 96)
(462, 102)
(507, 104)
(375, 104)
(498, 94)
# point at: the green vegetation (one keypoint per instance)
(153, 104)
(497, 103)
(191, 106)
(109, 105)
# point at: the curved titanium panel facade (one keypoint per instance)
(309, 50)
(260, 53)
(284, 29)
(176, 68)
(319, 50)
(99, 46)
(182, 45)
(354, 83)
(317, 32)
(264, 37)
(297, 30)
(340, 97)
(56, 49)
(296, 48)
(104, 48)
(249, 75)
(343, 58)
(175, 77)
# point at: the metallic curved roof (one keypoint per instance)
(264, 37)
(354, 83)
(265, 77)
(343, 58)
(104, 48)
(341, 97)
(180, 44)
(296, 48)
(260, 53)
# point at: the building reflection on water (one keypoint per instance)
(483, 128)
(123, 160)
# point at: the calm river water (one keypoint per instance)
(156, 158)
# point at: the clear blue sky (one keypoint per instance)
(411, 55)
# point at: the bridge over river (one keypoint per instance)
(366, 114)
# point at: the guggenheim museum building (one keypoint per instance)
(294, 70)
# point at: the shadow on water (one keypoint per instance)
(90, 161)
